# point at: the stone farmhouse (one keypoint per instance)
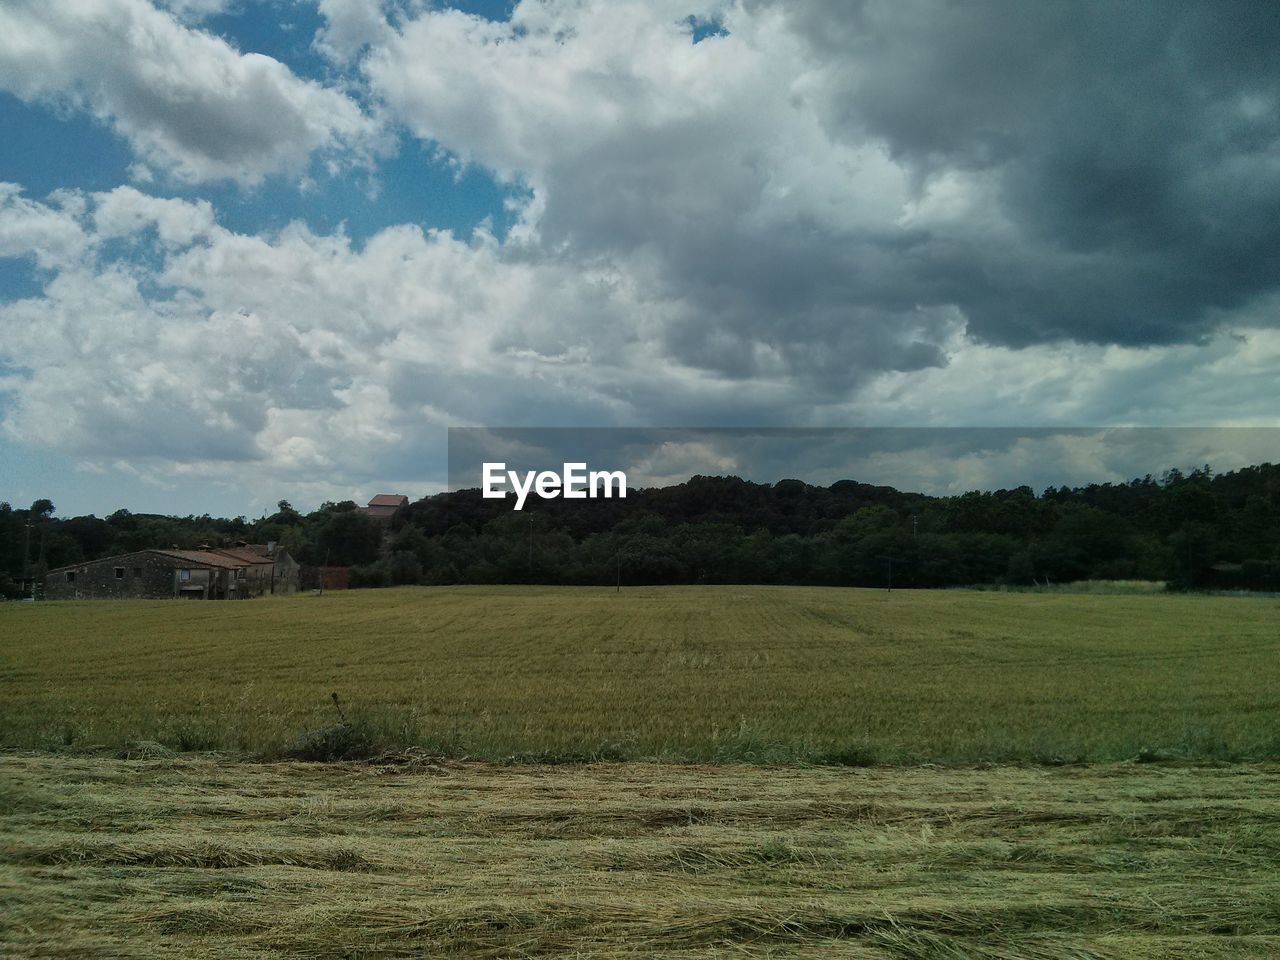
(269, 569)
(211, 573)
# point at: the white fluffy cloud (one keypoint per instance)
(350, 27)
(187, 102)
(309, 360)
(702, 170)
(48, 233)
(195, 10)
(125, 211)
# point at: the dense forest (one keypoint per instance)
(1196, 530)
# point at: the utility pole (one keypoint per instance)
(889, 561)
(1191, 575)
(26, 561)
(322, 572)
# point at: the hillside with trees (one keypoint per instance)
(1196, 530)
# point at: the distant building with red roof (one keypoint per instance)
(384, 506)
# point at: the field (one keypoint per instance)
(827, 773)
(717, 674)
(200, 858)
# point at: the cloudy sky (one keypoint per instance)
(253, 249)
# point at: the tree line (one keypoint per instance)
(35, 540)
(1195, 530)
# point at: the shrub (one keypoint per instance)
(855, 755)
(342, 741)
(345, 740)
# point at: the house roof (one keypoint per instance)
(384, 505)
(202, 558)
(249, 553)
(193, 558)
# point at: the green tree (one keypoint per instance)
(349, 539)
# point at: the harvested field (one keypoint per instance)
(201, 858)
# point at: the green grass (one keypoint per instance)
(691, 674)
(202, 859)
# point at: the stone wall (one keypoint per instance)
(144, 575)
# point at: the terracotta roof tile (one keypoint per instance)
(203, 558)
(195, 558)
(252, 553)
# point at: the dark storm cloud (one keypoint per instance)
(1077, 171)
(1136, 148)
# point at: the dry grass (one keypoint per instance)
(196, 858)
(753, 674)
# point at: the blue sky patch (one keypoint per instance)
(44, 149)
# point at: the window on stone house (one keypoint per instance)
(184, 574)
(119, 573)
(71, 576)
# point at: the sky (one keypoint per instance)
(265, 249)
